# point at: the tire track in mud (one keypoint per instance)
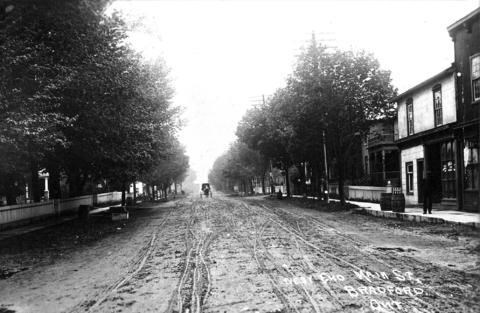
(91, 304)
(308, 298)
(291, 272)
(313, 225)
(295, 298)
(240, 235)
(278, 245)
(399, 260)
(194, 285)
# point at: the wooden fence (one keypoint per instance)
(365, 193)
(12, 215)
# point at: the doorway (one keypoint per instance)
(434, 170)
(420, 169)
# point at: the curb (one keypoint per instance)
(414, 218)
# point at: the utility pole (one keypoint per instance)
(325, 165)
(258, 100)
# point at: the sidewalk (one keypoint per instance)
(48, 222)
(416, 214)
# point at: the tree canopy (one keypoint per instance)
(76, 99)
(338, 93)
(239, 166)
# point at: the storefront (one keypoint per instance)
(471, 174)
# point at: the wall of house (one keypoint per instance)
(423, 115)
(411, 155)
(449, 108)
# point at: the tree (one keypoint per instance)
(169, 170)
(338, 93)
(239, 166)
(75, 98)
(355, 92)
(261, 130)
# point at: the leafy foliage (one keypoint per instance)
(76, 99)
(172, 169)
(339, 93)
(238, 166)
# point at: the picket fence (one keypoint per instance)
(11, 215)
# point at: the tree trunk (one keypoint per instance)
(149, 192)
(287, 181)
(134, 192)
(272, 186)
(263, 184)
(54, 184)
(123, 193)
(75, 183)
(36, 192)
(10, 189)
(341, 181)
(316, 180)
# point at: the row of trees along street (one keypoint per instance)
(76, 100)
(339, 93)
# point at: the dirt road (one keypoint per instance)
(244, 255)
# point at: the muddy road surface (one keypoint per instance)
(241, 255)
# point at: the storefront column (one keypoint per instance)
(460, 169)
(46, 191)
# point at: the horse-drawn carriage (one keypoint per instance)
(206, 190)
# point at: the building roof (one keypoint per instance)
(430, 80)
(452, 28)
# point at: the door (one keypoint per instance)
(447, 156)
(420, 170)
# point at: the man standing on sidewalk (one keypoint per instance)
(427, 195)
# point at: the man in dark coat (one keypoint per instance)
(427, 195)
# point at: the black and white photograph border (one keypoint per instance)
(239, 156)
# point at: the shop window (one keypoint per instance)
(410, 116)
(475, 75)
(437, 105)
(409, 176)
(447, 157)
(472, 165)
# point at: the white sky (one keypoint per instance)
(224, 55)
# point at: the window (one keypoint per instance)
(472, 165)
(409, 176)
(475, 75)
(447, 157)
(410, 116)
(437, 105)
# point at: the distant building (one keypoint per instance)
(465, 34)
(426, 116)
(381, 154)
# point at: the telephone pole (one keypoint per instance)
(325, 166)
